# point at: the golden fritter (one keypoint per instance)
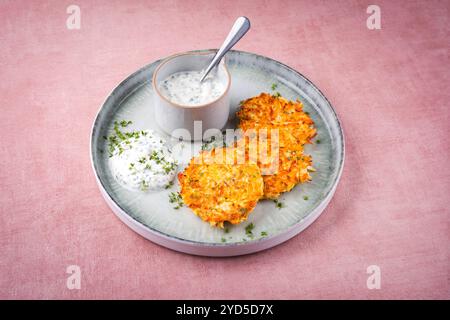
(269, 112)
(295, 128)
(220, 190)
(293, 168)
(282, 168)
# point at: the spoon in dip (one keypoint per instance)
(240, 27)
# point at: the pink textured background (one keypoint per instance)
(390, 88)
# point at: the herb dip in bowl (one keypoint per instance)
(185, 88)
(186, 107)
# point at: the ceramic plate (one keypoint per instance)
(154, 217)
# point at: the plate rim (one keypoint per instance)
(205, 248)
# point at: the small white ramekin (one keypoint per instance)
(173, 118)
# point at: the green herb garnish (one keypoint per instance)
(175, 198)
(168, 167)
(305, 198)
(274, 86)
(115, 140)
(125, 123)
(249, 230)
(263, 233)
(142, 160)
(169, 185)
(144, 185)
(278, 204)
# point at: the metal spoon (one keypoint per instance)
(240, 27)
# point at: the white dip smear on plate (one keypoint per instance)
(185, 88)
(143, 162)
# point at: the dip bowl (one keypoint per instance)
(189, 122)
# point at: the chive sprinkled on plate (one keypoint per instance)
(144, 185)
(125, 123)
(249, 230)
(175, 198)
(278, 203)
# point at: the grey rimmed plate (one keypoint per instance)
(154, 217)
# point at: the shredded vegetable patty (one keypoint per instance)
(225, 184)
(295, 128)
(219, 191)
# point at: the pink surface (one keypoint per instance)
(390, 88)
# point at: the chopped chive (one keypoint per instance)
(175, 197)
(125, 123)
(144, 185)
(169, 185)
(278, 204)
(249, 230)
(142, 160)
(119, 136)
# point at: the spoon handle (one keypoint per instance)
(240, 27)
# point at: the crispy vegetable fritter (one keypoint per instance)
(220, 190)
(294, 127)
(225, 184)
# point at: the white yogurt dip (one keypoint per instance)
(143, 162)
(185, 88)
